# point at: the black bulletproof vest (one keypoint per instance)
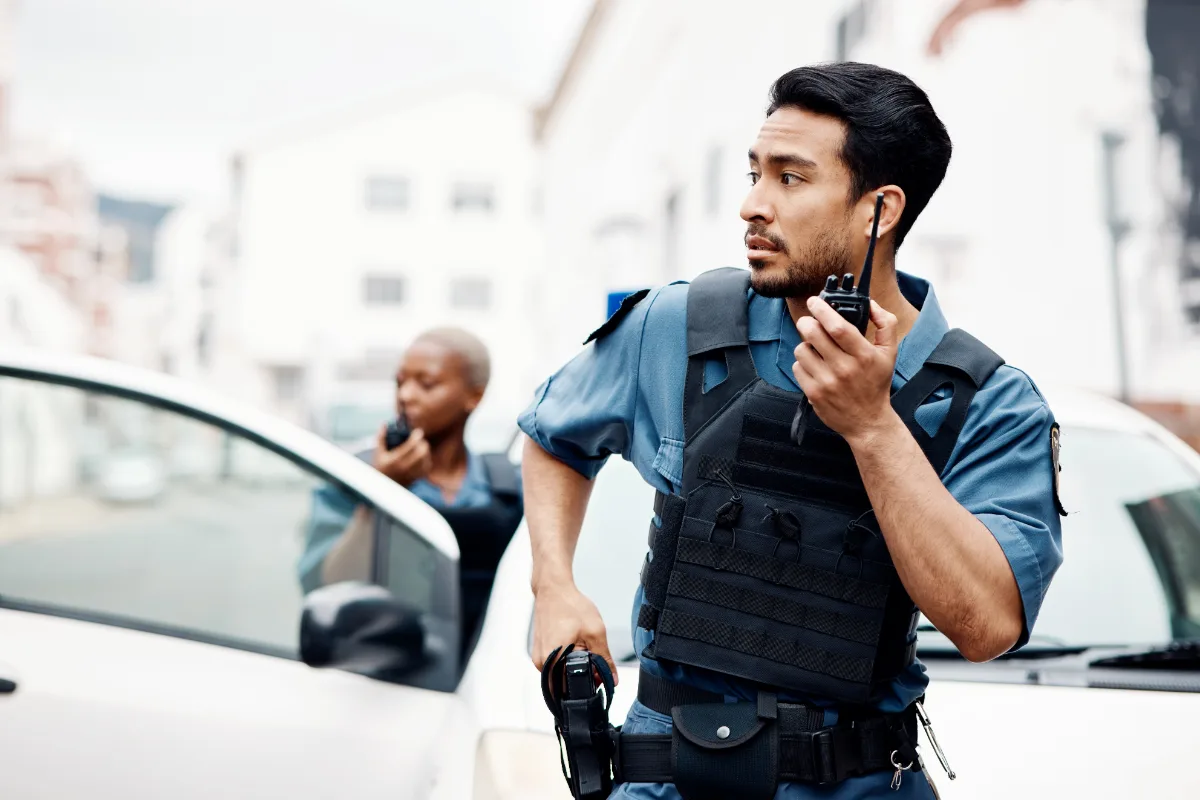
(769, 565)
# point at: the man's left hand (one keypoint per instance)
(846, 377)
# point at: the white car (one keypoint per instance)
(152, 651)
(132, 476)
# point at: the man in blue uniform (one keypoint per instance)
(789, 575)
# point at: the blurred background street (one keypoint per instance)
(268, 202)
(273, 203)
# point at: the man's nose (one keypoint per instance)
(756, 207)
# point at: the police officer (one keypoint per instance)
(783, 583)
(439, 383)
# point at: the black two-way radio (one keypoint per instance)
(398, 431)
(853, 303)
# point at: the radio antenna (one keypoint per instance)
(864, 281)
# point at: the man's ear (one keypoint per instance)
(893, 206)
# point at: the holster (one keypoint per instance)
(580, 706)
(722, 750)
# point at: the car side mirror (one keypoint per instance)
(362, 628)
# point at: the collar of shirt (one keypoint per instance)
(474, 491)
(769, 321)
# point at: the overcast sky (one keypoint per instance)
(153, 95)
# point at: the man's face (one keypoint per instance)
(797, 211)
(433, 390)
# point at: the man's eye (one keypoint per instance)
(791, 180)
(752, 177)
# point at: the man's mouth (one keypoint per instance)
(760, 247)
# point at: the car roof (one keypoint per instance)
(193, 397)
(1082, 408)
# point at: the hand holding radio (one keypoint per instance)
(402, 454)
(838, 370)
(846, 378)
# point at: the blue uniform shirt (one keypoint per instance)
(623, 394)
(332, 509)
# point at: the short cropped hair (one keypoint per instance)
(476, 361)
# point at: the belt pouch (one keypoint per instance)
(722, 750)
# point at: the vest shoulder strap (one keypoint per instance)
(717, 311)
(960, 362)
(961, 351)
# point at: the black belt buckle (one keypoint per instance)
(824, 757)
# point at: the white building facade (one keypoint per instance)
(356, 234)
(645, 148)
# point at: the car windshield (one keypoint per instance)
(1131, 574)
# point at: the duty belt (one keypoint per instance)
(861, 742)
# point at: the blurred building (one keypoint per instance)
(356, 232)
(32, 311)
(47, 214)
(139, 220)
(1059, 170)
(61, 268)
(644, 143)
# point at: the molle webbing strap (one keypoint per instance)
(856, 669)
(656, 571)
(783, 573)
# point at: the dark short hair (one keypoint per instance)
(893, 134)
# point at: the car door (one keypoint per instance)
(150, 600)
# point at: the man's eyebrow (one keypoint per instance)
(780, 160)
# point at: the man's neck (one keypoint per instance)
(885, 290)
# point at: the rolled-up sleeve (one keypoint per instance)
(585, 412)
(1002, 471)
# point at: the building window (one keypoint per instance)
(372, 365)
(471, 293)
(287, 382)
(853, 27)
(387, 193)
(473, 197)
(204, 341)
(383, 290)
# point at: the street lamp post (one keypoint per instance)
(1118, 229)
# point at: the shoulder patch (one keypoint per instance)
(1056, 467)
(622, 311)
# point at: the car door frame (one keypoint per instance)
(303, 448)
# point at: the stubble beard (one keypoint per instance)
(805, 275)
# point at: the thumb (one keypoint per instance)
(885, 326)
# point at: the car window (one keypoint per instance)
(1131, 543)
(120, 511)
(1131, 573)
